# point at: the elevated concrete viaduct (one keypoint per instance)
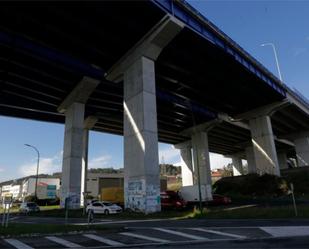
(150, 71)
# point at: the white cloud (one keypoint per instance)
(48, 165)
(169, 155)
(1, 169)
(100, 161)
(216, 161)
(299, 51)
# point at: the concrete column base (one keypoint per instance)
(202, 171)
(250, 160)
(264, 146)
(237, 166)
(283, 160)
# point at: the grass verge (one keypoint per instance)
(253, 212)
(125, 215)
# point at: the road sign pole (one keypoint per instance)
(293, 198)
(66, 205)
(7, 216)
(3, 215)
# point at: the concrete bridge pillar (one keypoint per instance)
(73, 106)
(282, 160)
(89, 123)
(142, 174)
(302, 150)
(237, 166)
(141, 162)
(202, 163)
(72, 154)
(264, 146)
(186, 166)
(186, 163)
(250, 160)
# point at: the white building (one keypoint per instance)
(48, 187)
(44, 184)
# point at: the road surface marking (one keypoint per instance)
(219, 233)
(14, 218)
(190, 236)
(145, 237)
(104, 240)
(120, 222)
(63, 242)
(287, 231)
(18, 244)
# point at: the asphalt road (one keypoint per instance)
(289, 243)
(193, 233)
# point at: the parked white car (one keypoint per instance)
(28, 207)
(103, 207)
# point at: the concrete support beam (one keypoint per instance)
(302, 150)
(205, 127)
(237, 166)
(72, 155)
(267, 110)
(149, 46)
(141, 169)
(250, 160)
(264, 145)
(282, 160)
(79, 94)
(202, 163)
(89, 123)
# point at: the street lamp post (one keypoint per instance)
(37, 169)
(276, 57)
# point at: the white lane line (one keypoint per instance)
(287, 231)
(104, 240)
(190, 236)
(139, 236)
(18, 244)
(219, 233)
(63, 242)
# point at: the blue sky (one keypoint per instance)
(249, 23)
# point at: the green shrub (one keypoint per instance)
(31, 198)
(252, 185)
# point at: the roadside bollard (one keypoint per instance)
(90, 217)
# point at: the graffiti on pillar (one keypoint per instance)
(73, 199)
(153, 200)
(142, 197)
(135, 195)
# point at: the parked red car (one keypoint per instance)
(219, 200)
(172, 200)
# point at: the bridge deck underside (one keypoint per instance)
(44, 49)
